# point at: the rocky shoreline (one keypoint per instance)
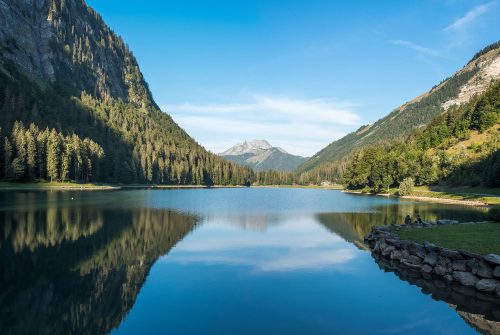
(453, 266)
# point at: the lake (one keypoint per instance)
(216, 261)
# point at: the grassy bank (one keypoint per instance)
(330, 187)
(475, 196)
(481, 238)
(54, 185)
(488, 196)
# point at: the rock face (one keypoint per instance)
(49, 39)
(468, 269)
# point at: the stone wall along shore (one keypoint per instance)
(453, 266)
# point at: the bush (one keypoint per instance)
(494, 214)
(406, 186)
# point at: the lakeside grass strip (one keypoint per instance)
(481, 238)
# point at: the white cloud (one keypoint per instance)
(416, 47)
(470, 17)
(300, 126)
(298, 244)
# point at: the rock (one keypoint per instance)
(465, 278)
(417, 250)
(452, 254)
(410, 265)
(459, 265)
(414, 259)
(468, 254)
(426, 268)
(484, 270)
(443, 261)
(387, 250)
(431, 247)
(440, 270)
(431, 258)
(492, 259)
(396, 255)
(446, 222)
(472, 265)
(393, 241)
(448, 278)
(488, 285)
(496, 272)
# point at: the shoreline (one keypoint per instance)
(449, 201)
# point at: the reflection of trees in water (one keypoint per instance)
(79, 269)
(353, 227)
(479, 310)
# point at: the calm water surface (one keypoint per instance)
(220, 261)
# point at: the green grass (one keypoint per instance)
(46, 184)
(490, 196)
(481, 238)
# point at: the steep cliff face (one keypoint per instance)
(66, 40)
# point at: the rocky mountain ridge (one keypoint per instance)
(474, 78)
(261, 155)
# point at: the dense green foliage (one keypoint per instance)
(98, 95)
(273, 177)
(401, 122)
(406, 186)
(29, 154)
(459, 147)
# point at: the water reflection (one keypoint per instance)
(481, 311)
(354, 226)
(295, 244)
(74, 263)
(63, 271)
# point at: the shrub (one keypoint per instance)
(406, 186)
(494, 214)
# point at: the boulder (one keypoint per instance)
(452, 254)
(431, 258)
(448, 278)
(465, 278)
(387, 250)
(443, 261)
(426, 268)
(492, 259)
(414, 259)
(393, 241)
(468, 254)
(431, 247)
(417, 250)
(496, 272)
(472, 265)
(488, 285)
(484, 270)
(459, 265)
(440, 270)
(446, 222)
(396, 255)
(410, 265)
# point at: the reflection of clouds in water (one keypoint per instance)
(291, 245)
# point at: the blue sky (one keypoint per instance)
(297, 73)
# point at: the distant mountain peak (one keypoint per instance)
(248, 147)
(261, 155)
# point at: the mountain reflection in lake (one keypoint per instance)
(218, 261)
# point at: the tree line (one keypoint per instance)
(459, 147)
(29, 154)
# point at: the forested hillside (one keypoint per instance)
(75, 106)
(459, 147)
(473, 79)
